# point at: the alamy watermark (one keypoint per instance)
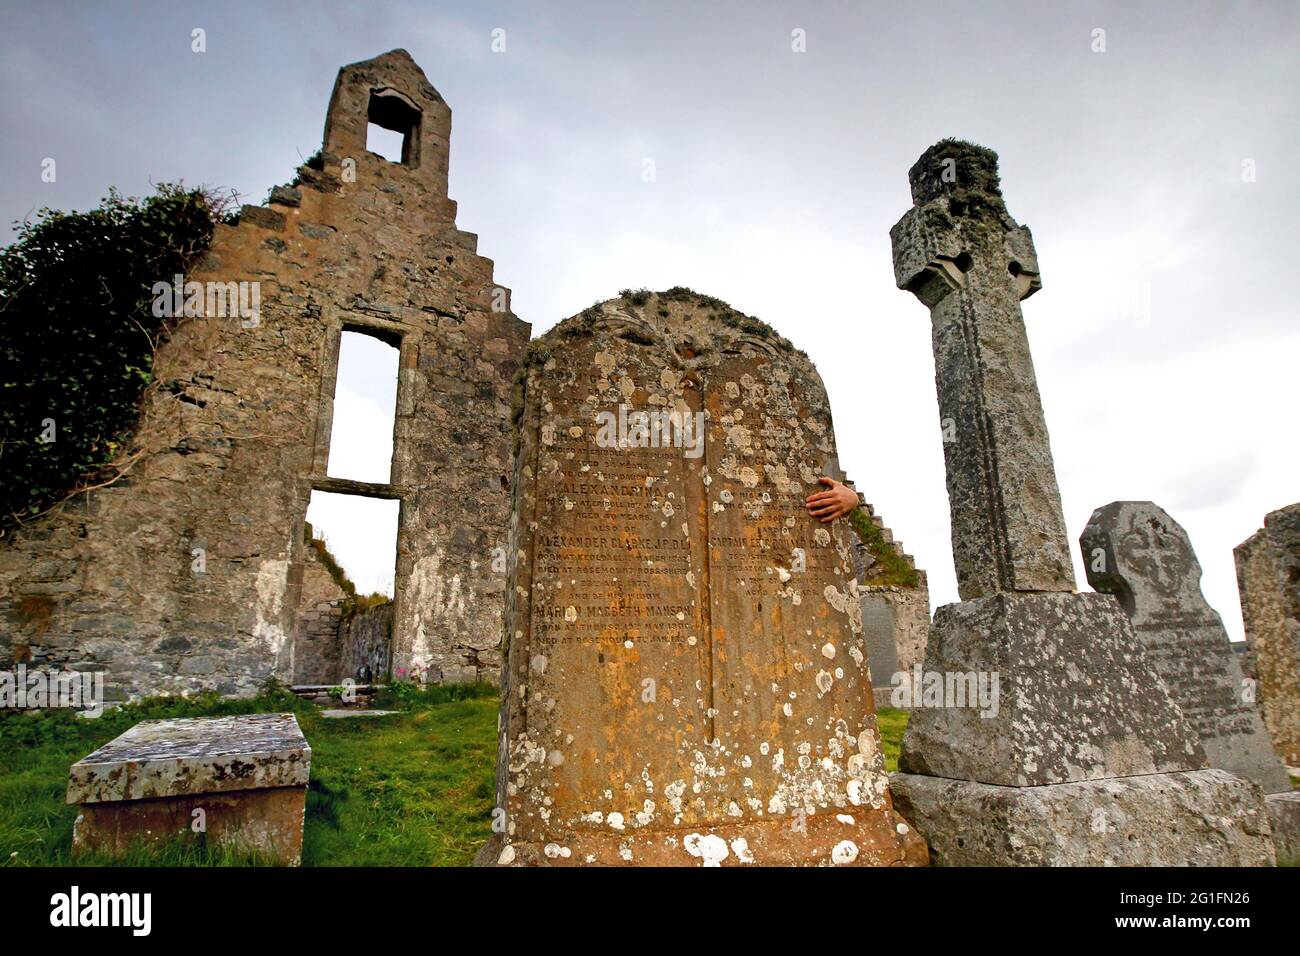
(921, 688)
(22, 689)
(216, 300)
(130, 910)
(662, 428)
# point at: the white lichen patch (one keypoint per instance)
(846, 851)
(740, 847)
(710, 849)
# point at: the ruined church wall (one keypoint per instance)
(911, 610)
(903, 608)
(187, 573)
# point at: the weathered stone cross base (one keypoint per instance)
(1192, 818)
(1084, 759)
(858, 836)
(235, 782)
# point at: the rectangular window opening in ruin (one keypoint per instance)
(365, 407)
(355, 538)
(393, 127)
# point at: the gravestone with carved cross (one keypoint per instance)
(1083, 757)
(1136, 551)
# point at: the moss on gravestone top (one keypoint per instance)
(652, 304)
(963, 173)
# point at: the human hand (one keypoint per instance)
(838, 500)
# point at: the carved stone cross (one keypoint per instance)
(960, 252)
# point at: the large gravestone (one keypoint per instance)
(687, 680)
(1135, 551)
(1085, 759)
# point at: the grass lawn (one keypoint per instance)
(413, 788)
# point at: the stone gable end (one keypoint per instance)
(236, 433)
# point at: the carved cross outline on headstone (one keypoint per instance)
(959, 251)
(1136, 551)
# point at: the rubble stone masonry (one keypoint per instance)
(187, 573)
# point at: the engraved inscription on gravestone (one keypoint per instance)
(687, 678)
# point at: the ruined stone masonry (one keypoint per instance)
(321, 604)
(1086, 759)
(337, 639)
(189, 573)
(686, 681)
(1268, 577)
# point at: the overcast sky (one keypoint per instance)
(1165, 336)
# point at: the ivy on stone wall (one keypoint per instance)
(78, 333)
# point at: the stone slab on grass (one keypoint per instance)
(241, 782)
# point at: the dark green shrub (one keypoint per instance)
(78, 333)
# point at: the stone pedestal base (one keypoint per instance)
(241, 782)
(855, 836)
(266, 822)
(1189, 818)
(1284, 819)
(1077, 696)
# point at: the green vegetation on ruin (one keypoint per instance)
(892, 723)
(78, 334)
(890, 569)
(354, 603)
